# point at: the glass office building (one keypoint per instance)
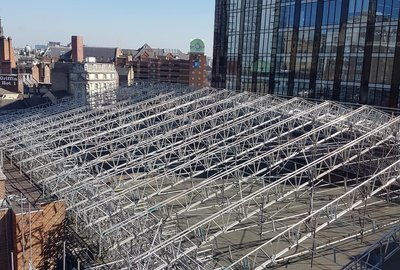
(345, 50)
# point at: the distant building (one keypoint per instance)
(145, 63)
(39, 47)
(54, 43)
(162, 70)
(165, 65)
(104, 55)
(38, 70)
(126, 75)
(23, 72)
(7, 57)
(53, 53)
(83, 77)
(101, 54)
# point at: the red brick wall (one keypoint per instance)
(5, 252)
(27, 246)
(11, 54)
(53, 228)
(4, 49)
(77, 49)
(197, 75)
(38, 237)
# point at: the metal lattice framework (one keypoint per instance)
(213, 179)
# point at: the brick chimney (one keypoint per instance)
(77, 49)
(11, 53)
(4, 49)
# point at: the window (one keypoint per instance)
(308, 14)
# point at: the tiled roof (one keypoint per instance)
(129, 52)
(155, 53)
(56, 51)
(102, 54)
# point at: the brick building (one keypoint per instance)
(26, 69)
(166, 65)
(38, 67)
(7, 57)
(83, 77)
(162, 70)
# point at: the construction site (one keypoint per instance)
(162, 176)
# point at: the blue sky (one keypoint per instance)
(116, 23)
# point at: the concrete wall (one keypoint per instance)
(60, 76)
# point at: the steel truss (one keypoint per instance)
(206, 179)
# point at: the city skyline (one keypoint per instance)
(129, 148)
(124, 24)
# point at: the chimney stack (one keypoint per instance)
(1, 29)
(11, 53)
(77, 49)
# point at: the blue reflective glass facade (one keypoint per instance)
(345, 50)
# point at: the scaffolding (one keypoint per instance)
(167, 176)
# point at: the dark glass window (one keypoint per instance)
(287, 16)
(308, 14)
(275, 54)
(395, 9)
(331, 12)
(338, 11)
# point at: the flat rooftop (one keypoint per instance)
(20, 191)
